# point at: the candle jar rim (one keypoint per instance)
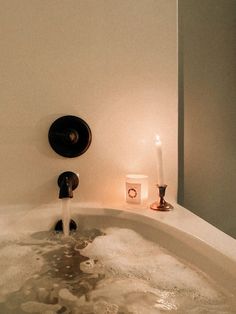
(136, 176)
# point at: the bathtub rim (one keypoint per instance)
(179, 219)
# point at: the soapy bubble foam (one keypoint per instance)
(147, 275)
(116, 271)
(126, 254)
(17, 264)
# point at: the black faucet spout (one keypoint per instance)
(66, 189)
(67, 182)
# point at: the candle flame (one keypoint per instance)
(158, 140)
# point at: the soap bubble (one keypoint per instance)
(87, 266)
(103, 307)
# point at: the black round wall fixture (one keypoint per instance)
(69, 136)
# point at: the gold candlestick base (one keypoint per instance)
(161, 204)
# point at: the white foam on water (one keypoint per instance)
(126, 253)
(103, 307)
(141, 267)
(17, 264)
(88, 266)
(37, 307)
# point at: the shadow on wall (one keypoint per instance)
(207, 98)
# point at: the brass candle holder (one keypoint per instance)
(161, 204)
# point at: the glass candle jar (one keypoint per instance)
(136, 188)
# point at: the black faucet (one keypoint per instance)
(67, 182)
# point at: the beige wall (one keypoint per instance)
(209, 102)
(111, 62)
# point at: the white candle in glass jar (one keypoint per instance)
(160, 174)
(136, 188)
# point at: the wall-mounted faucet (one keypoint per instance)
(69, 136)
(67, 182)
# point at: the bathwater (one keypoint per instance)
(110, 271)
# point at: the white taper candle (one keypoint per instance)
(160, 174)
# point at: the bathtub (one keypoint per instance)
(180, 232)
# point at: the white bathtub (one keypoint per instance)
(180, 231)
